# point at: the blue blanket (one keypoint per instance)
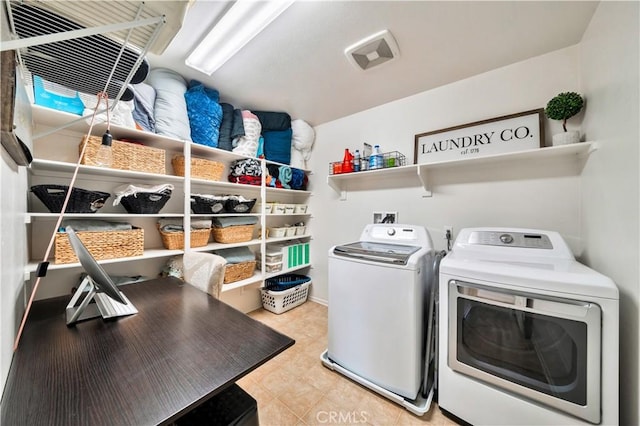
(205, 114)
(277, 145)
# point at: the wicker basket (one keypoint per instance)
(127, 156)
(238, 271)
(200, 168)
(101, 244)
(206, 205)
(232, 234)
(81, 200)
(234, 205)
(175, 240)
(145, 202)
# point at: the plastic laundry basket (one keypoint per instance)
(284, 300)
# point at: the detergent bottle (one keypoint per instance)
(375, 160)
(347, 161)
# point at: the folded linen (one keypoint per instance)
(204, 112)
(176, 225)
(274, 170)
(126, 190)
(236, 254)
(231, 126)
(223, 222)
(273, 120)
(277, 145)
(247, 145)
(94, 225)
(298, 179)
(144, 97)
(246, 180)
(284, 173)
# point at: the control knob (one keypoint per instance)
(506, 238)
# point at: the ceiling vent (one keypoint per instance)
(373, 50)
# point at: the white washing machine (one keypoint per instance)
(382, 313)
(527, 335)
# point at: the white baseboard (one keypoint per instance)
(318, 300)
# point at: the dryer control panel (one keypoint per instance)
(511, 242)
(511, 239)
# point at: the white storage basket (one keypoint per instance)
(282, 301)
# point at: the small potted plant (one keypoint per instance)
(563, 107)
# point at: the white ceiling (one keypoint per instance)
(297, 64)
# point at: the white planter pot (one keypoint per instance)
(564, 138)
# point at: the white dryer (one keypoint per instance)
(527, 335)
(382, 313)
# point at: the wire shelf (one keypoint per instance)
(389, 159)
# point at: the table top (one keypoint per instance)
(182, 348)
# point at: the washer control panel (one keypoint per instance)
(511, 239)
(395, 233)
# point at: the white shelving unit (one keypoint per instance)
(341, 182)
(56, 148)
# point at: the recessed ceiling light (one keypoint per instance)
(372, 51)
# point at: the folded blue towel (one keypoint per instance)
(284, 175)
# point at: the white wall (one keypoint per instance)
(535, 194)
(611, 180)
(13, 245)
(596, 210)
(13, 255)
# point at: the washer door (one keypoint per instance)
(396, 254)
(542, 348)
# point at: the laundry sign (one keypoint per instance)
(509, 133)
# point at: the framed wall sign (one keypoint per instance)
(509, 133)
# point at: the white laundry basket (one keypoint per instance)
(285, 292)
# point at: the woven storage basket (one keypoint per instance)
(101, 244)
(145, 202)
(234, 205)
(206, 205)
(127, 156)
(238, 271)
(81, 200)
(232, 234)
(200, 168)
(175, 240)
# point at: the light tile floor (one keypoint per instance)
(294, 388)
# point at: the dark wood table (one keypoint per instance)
(182, 348)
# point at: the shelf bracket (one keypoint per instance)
(338, 188)
(423, 175)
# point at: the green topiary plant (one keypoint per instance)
(564, 106)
